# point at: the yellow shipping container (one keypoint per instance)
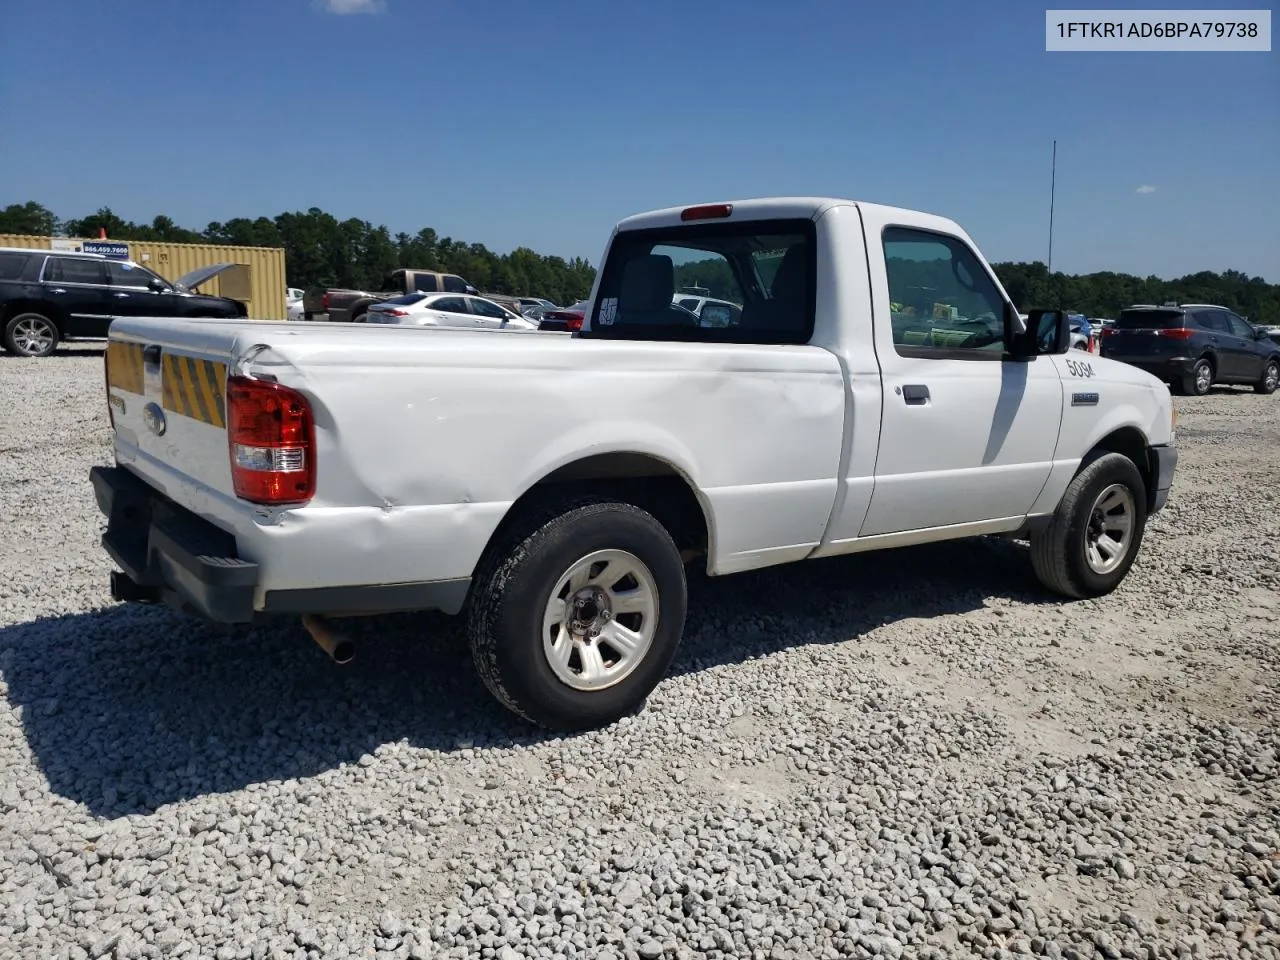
(258, 280)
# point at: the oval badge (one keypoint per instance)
(154, 417)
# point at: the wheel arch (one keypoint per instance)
(1128, 441)
(32, 305)
(645, 480)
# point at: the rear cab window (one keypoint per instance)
(765, 268)
(425, 283)
(453, 284)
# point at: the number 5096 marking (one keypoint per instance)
(1079, 369)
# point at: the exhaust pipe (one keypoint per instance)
(339, 648)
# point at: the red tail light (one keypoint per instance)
(324, 300)
(1106, 332)
(396, 313)
(1177, 333)
(271, 437)
(574, 323)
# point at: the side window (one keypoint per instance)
(73, 270)
(943, 304)
(12, 265)
(1214, 320)
(392, 281)
(689, 303)
(453, 284)
(128, 275)
(425, 283)
(486, 309)
(1239, 327)
(450, 305)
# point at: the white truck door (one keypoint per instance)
(966, 436)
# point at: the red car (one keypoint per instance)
(566, 318)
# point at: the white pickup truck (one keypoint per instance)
(879, 389)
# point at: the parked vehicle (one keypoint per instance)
(1194, 346)
(555, 487)
(293, 308)
(350, 306)
(48, 297)
(710, 311)
(536, 302)
(445, 310)
(568, 318)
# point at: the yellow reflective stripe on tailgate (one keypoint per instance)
(194, 388)
(124, 367)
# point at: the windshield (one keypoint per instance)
(1148, 319)
(407, 299)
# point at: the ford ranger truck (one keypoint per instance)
(878, 389)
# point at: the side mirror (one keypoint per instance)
(159, 286)
(1047, 332)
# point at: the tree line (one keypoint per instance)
(321, 250)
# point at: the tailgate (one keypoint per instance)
(166, 384)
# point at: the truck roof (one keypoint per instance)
(788, 208)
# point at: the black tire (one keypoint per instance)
(1194, 384)
(514, 583)
(1059, 553)
(16, 343)
(1270, 378)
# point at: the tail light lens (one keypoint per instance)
(324, 300)
(1105, 332)
(271, 436)
(574, 323)
(1177, 333)
(397, 313)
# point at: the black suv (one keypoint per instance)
(1194, 346)
(49, 296)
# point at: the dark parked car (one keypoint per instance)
(1194, 346)
(50, 296)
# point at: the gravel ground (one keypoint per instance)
(915, 754)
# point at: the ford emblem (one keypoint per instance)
(154, 417)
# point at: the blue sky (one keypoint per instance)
(541, 122)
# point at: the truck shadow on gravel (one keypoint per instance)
(128, 709)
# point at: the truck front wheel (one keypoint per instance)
(1096, 532)
(576, 616)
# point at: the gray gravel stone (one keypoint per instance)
(908, 754)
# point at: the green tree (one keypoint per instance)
(30, 218)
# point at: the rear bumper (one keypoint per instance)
(169, 555)
(1164, 462)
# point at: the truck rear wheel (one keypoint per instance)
(1096, 531)
(576, 616)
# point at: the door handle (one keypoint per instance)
(915, 394)
(1213, 339)
(57, 290)
(120, 295)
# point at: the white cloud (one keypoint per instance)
(344, 7)
(1146, 188)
